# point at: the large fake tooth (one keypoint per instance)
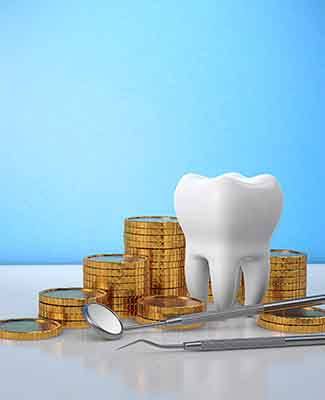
(228, 222)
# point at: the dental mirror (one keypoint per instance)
(108, 324)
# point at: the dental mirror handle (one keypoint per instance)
(247, 311)
(254, 343)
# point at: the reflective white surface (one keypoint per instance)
(81, 365)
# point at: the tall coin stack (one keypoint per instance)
(161, 240)
(122, 276)
(288, 275)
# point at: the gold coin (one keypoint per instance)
(117, 290)
(298, 316)
(273, 298)
(290, 328)
(176, 240)
(123, 301)
(298, 292)
(152, 245)
(168, 291)
(160, 316)
(124, 314)
(151, 232)
(284, 280)
(60, 309)
(167, 284)
(166, 223)
(288, 275)
(172, 272)
(154, 238)
(288, 267)
(158, 255)
(114, 261)
(112, 285)
(115, 273)
(171, 265)
(287, 254)
(286, 286)
(29, 329)
(174, 281)
(75, 324)
(181, 291)
(165, 279)
(130, 308)
(61, 316)
(167, 272)
(287, 260)
(175, 305)
(71, 296)
(120, 288)
(115, 280)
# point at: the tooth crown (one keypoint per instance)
(229, 207)
(228, 222)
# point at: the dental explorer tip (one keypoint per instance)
(130, 344)
(150, 343)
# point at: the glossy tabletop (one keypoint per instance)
(80, 365)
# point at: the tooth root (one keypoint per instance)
(224, 270)
(237, 281)
(256, 276)
(197, 276)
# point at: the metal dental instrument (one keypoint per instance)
(109, 325)
(239, 344)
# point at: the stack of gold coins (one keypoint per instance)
(300, 320)
(65, 305)
(161, 240)
(122, 276)
(159, 308)
(29, 329)
(288, 275)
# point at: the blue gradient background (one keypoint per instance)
(105, 105)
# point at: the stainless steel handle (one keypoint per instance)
(296, 303)
(246, 311)
(217, 316)
(254, 343)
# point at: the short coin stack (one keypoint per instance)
(301, 320)
(159, 308)
(29, 329)
(122, 276)
(288, 275)
(65, 305)
(161, 240)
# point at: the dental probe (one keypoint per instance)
(238, 344)
(107, 323)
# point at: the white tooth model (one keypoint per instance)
(228, 222)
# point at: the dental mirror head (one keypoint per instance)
(108, 324)
(103, 320)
